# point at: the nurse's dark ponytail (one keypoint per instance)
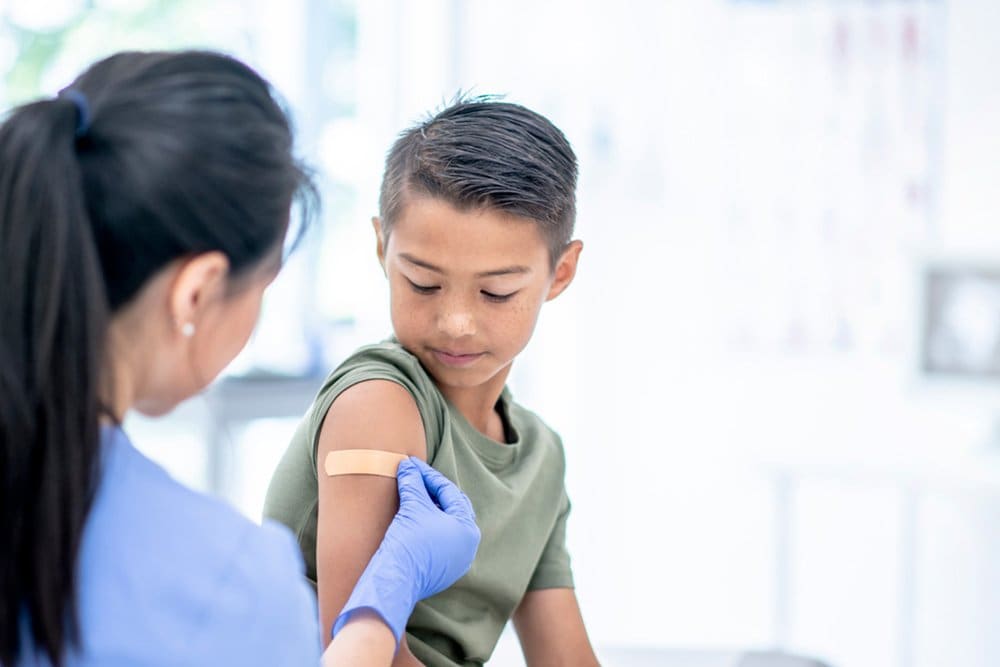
(53, 315)
(146, 158)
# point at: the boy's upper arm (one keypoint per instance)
(551, 631)
(548, 620)
(355, 510)
(553, 569)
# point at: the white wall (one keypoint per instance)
(972, 135)
(675, 433)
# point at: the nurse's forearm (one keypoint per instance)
(365, 641)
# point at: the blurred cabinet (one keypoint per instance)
(905, 561)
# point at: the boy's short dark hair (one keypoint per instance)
(483, 153)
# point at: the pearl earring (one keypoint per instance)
(187, 329)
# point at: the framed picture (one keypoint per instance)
(961, 321)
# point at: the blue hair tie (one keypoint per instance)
(79, 100)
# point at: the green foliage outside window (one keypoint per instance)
(43, 58)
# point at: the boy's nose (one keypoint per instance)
(457, 324)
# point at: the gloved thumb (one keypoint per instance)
(444, 492)
(410, 483)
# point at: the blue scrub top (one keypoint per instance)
(171, 577)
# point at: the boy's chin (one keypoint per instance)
(458, 377)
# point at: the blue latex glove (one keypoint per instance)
(429, 544)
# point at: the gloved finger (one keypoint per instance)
(442, 490)
(410, 483)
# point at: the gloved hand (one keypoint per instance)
(429, 544)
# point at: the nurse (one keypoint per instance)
(142, 214)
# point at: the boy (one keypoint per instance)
(474, 234)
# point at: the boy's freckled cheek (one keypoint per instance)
(518, 314)
(529, 307)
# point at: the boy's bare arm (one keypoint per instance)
(550, 628)
(355, 510)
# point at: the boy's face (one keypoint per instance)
(466, 288)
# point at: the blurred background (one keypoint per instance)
(776, 375)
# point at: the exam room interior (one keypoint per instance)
(755, 456)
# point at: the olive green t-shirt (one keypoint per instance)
(516, 489)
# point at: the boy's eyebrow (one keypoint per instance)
(507, 270)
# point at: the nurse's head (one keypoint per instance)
(143, 212)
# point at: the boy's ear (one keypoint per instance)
(379, 243)
(565, 269)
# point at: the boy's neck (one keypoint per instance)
(478, 404)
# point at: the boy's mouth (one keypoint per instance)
(457, 359)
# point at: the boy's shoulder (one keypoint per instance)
(387, 360)
(389, 350)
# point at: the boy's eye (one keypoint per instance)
(498, 298)
(423, 289)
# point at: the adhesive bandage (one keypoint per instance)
(362, 462)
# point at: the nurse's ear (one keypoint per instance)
(199, 282)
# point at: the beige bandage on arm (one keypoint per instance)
(362, 462)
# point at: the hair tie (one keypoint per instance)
(79, 100)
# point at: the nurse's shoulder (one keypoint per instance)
(171, 576)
